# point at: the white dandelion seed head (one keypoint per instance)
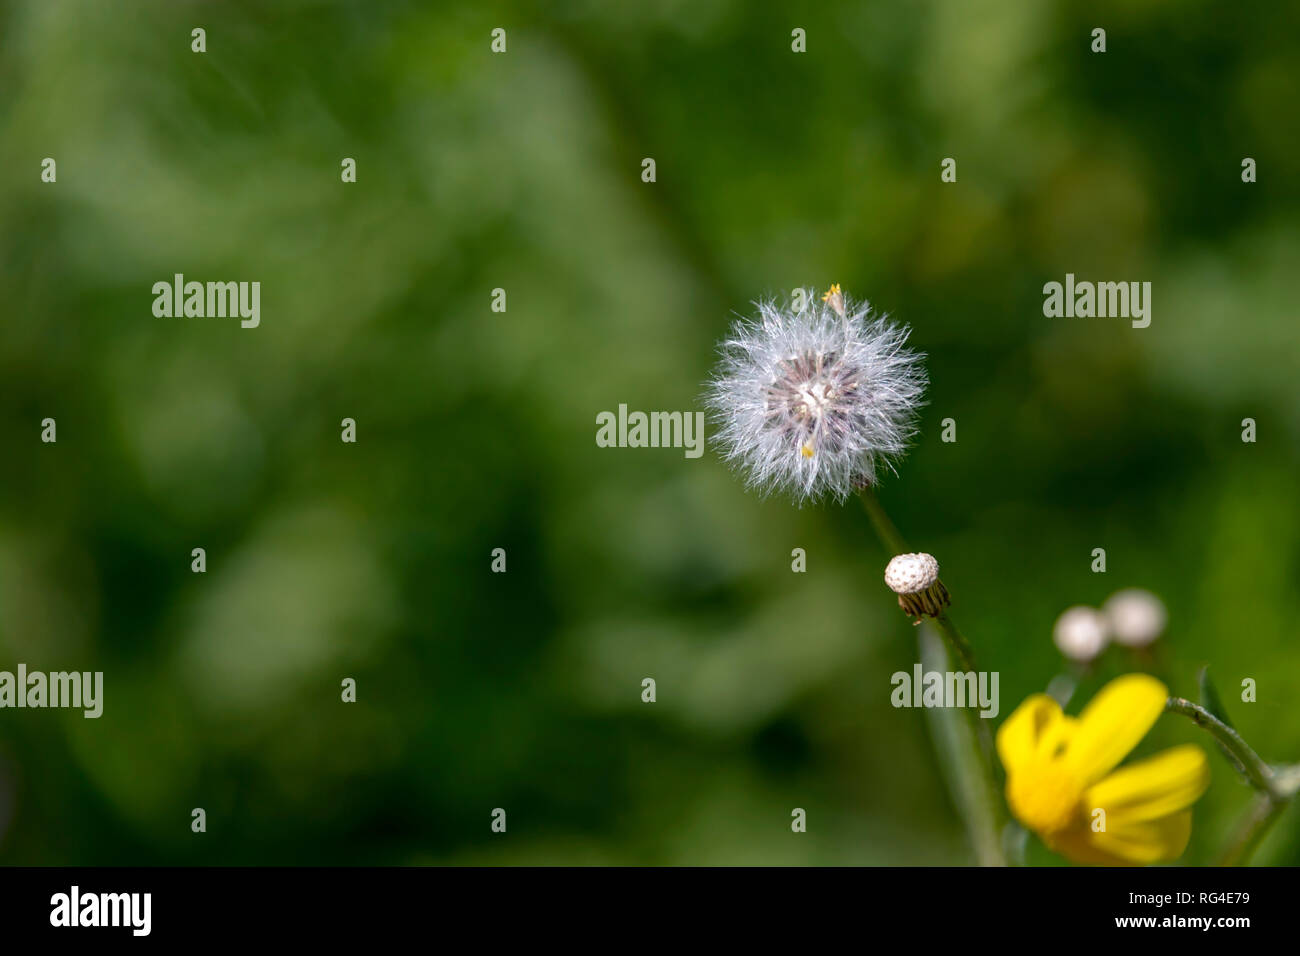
(1136, 617)
(1081, 633)
(813, 402)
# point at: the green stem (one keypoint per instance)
(964, 741)
(960, 646)
(963, 762)
(893, 540)
(885, 529)
(1257, 771)
(1259, 817)
(1276, 785)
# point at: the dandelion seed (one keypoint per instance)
(813, 402)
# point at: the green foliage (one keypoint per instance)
(475, 429)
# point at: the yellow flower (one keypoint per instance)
(1061, 770)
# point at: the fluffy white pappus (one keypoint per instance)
(812, 403)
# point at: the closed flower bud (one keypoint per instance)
(915, 579)
(1136, 617)
(1081, 633)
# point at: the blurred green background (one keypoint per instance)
(476, 429)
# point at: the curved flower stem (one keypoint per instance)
(966, 752)
(1276, 786)
(1256, 770)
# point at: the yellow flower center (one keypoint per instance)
(1046, 798)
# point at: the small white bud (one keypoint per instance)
(1136, 617)
(909, 573)
(1081, 633)
(915, 579)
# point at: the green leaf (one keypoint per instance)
(1210, 701)
(1210, 697)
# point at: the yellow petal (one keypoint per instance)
(1021, 733)
(1113, 723)
(1151, 841)
(1132, 844)
(1151, 788)
(1078, 847)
